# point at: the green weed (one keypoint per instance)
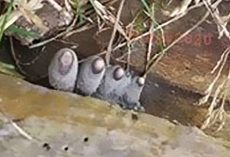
(4, 18)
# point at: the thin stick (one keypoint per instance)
(210, 87)
(57, 36)
(17, 62)
(20, 130)
(149, 46)
(219, 62)
(214, 12)
(81, 29)
(109, 49)
(47, 41)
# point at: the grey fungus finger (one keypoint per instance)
(110, 81)
(132, 93)
(140, 81)
(93, 78)
(63, 69)
(118, 73)
(90, 75)
(98, 65)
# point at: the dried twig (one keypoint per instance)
(182, 9)
(216, 17)
(222, 91)
(68, 29)
(209, 90)
(19, 129)
(160, 26)
(115, 28)
(17, 62)
(107, 16)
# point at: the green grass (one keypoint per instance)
(78, 11)
(21, 32)
(13, 29)
(9, 69)
(150, 10)
(4, 18)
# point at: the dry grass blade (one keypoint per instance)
(181, 9)
(107, 16)
(115, 28)
(160, 26)
(154, 23)
(149, 47)
(32, 18)
(4, 19)
(222, 91)
(220, 64)
(65, 34)
(55, 5)
(20, 130)
(217, 113)
(26, 9)
(220, 61)
(221, 24)
(225, 20)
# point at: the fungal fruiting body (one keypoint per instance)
(111, 80)
(94, 78)
(63, 69)
(90, 75)
(132, 93)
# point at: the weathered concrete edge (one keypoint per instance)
(20, 99)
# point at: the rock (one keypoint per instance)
(64, 124)
(43, 20)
